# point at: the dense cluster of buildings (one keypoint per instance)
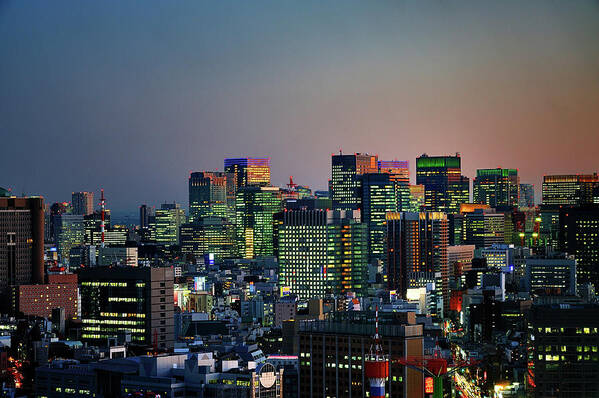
(256, 290)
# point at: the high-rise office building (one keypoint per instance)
(574, 190)
(579, 237)
(445, 186)
(497, 187)
(417, 252)
(135, 300)
(70, 233)
(417, 198)
(483, 228)
(346, 182)
(527, 195)
(167, 222)
(333, 353)
(21, 243)
(83, 203)
(399, 174)
(144, 216)
(255, 207)
(322, 252)
(208, 194)
(249, 171)
(562, 351)
(379, 196)
(551, 276)
(213, 235)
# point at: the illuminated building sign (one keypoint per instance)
(429, 385)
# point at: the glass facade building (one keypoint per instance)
(346, 183)
(249, 171)
(255, 207)
(417, 253)
(208, 194)
(445, 187)
(167, 221)
(208, 235)
(497, 187)
(322, 252)
(574, 189)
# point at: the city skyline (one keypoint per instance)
(133, 99)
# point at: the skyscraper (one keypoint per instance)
(83, 203)
(70, 233)
(527, 195)
(497, 187)
(379, 196)
(579, 236)
(346, 183)
(399, 173)
(167, 222)
(322, 252)
(21, 242)
(208, 194)
(417, 252)
(445, 187)
(249, 171)
(483, 228)
(144, 216)
(255, 207)
(575, 189)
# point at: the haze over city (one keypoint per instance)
(131, 98)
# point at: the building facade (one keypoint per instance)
(208, 194)
(135, 300)
(21, 243)
(322, 252)
(333, 352)
(579, 237)
(83, 203)
(346, 182)
(255, 207)
(167, 222)
(445, 186)
(417, 253)
(497, 187)
(249, 171)
(209, 235)
(574, 189)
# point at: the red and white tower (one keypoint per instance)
(377, 364)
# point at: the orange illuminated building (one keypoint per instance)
(472, 207)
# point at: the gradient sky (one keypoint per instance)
(132, 95)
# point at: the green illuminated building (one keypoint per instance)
(380, 195)
(445, 187)
(71, 233)
(322, 252)
(208, 194)
(135, 300)
(497, 187)
(167, 221)
(255, 207)
(208, 235)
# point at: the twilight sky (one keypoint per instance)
(132, 95)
